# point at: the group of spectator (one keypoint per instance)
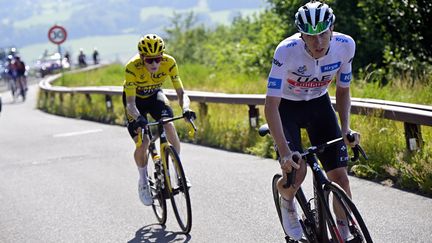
(82, 59)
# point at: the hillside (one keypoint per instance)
(25, 23)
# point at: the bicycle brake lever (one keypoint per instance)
(357, 151)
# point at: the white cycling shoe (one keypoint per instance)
(290, 220)
(144, 193)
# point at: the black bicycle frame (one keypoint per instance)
(319, 179)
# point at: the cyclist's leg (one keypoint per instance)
(291, 127)
(291, 118)
(162, 109)
(322, 128)
(140, 153)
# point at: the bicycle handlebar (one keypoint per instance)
(166, 120)
(357, 150)
(161, 122)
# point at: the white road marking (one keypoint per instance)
(69, 134)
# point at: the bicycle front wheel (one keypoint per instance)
(342, 206)
(179, 190)
(276, 199)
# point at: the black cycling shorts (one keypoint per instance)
(157, 105)
(319, 119)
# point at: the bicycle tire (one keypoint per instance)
(357, 226)
(276, 196)
(159, 200)
(179, 191)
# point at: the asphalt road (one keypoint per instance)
(68, 180)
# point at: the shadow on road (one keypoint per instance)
(157, 233)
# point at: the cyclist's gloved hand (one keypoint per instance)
(140, 122)
(352, 138)
(189, 114)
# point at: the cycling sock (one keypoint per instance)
(143, 174)
(289, 204)
(342, 225)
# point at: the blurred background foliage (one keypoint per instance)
(393, 38)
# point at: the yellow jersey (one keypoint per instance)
(141, 83)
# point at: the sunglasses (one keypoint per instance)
(153, 59)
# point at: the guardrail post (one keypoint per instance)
(253, 116)
(108, 102)
(413, 136)
(51, 98)
(61, 99)
(88, 97)
(203, 111)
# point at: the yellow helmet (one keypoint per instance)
(151, 45)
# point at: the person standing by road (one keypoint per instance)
(304, 65)
(142, 94)
(95, 56)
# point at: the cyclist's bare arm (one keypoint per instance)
(271, 110)
(343, 106)
(131, 107)
(184, 100)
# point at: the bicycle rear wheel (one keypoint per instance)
(179, 191)
(358, 232)
(159, 203)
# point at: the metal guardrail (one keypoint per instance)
(412, 115)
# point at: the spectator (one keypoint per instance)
(82, 59)
(95, 56)
(67, 56)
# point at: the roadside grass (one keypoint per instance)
(227, 126)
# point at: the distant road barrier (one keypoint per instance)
(412, 115)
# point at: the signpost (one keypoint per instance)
(57, 34)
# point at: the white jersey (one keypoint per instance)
(296, 75)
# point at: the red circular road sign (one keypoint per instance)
(57, 34)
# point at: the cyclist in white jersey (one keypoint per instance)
(304, 65)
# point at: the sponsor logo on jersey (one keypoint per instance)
(277, 63)
(147, 90)
(302, 69)
(158, 75)
(345, 77)
(330, 67)
(291, 44)
(130, 72)
(173, 66)
(314, 83)
(274, 83)
(340, 39)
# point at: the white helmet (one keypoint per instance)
(314, 18)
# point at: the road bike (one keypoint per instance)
(318, 216)
(167, 178)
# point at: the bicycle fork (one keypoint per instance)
(158, 174)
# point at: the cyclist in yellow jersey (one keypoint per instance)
(142, 94)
